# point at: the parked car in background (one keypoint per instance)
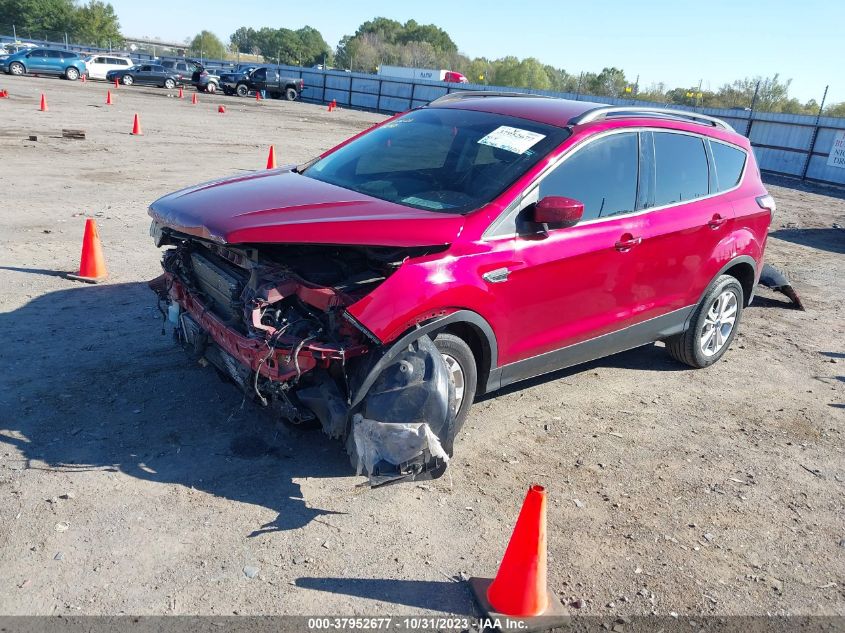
(183, 67)
(45, 61)
(99, 65)
(10, 48)
(205, 79)
(268, 80)
(146, 74)
(457, 249)
(228, 81)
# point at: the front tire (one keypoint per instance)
(242, 90)
(127, 80)
(211, 88)
(72, 74)
(713, 325)
(17, 69)
(169, 84)
(462, 372)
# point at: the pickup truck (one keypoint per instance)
(266, 79)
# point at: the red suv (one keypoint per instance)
(456, 249)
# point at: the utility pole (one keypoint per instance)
(14, 34)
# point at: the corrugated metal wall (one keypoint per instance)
(781, 142)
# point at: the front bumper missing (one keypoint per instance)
(394, 408)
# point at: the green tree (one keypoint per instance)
(243, 40)
(207, 46)
(610, 82)
(96, 23)
(38, 18)
(315, 50)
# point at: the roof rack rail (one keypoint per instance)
(458, 95)
(604, 112)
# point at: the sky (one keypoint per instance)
(677, 42)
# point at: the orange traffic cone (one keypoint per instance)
(329, 109)
(108, 98)
(4, 94)
(194, 99)
(334, 105)
(116, 83)
(271, 158)
(519, 589)
(258, 95)
(92, 264)
(221, 109)
(43, 103)
(136, 127)
(181, 96)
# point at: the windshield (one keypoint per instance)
(439, 159)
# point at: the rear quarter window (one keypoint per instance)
(681, 169)
(730, 161)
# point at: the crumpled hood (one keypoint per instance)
(281, 206)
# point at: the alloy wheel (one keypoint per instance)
(719, 323)
(456, 376)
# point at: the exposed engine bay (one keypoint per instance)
(273, 320)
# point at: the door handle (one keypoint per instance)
(627, 242)
(716, 221)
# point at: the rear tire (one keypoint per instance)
(72, 74)
(290, 94)
(461, 363)
(169, 84)
(712, 327)
(211, 88)
(127, 80)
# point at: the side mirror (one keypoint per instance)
(558, 212)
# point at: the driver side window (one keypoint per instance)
(603, 175)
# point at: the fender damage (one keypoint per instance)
(272, 319)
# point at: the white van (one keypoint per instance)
(99, 65)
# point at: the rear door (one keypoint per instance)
(687, 224)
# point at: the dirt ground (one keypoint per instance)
(135, 482)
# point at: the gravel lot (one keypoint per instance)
(132, 481)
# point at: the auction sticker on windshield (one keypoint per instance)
(512, 139)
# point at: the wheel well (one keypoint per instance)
(472, 336)
(744, 274)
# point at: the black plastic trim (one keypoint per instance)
(612, 343)
(389, 351)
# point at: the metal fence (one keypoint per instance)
(792, 145)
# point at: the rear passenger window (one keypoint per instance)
(729, 164)
(602, 175)
(681, 169)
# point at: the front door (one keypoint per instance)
(574, 284)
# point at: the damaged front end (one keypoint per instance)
(272, 319)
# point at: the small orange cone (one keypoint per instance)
(108, 98)
(271, 158)
(4, 94)
(334, 105)
(329, 109)
(83, 78)
(519, 590)
(221, 109)
(258, 95)
(43, 103)
(92, 264)
(136, 127)
(181, 96)
(116, 83)
(194, 99)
